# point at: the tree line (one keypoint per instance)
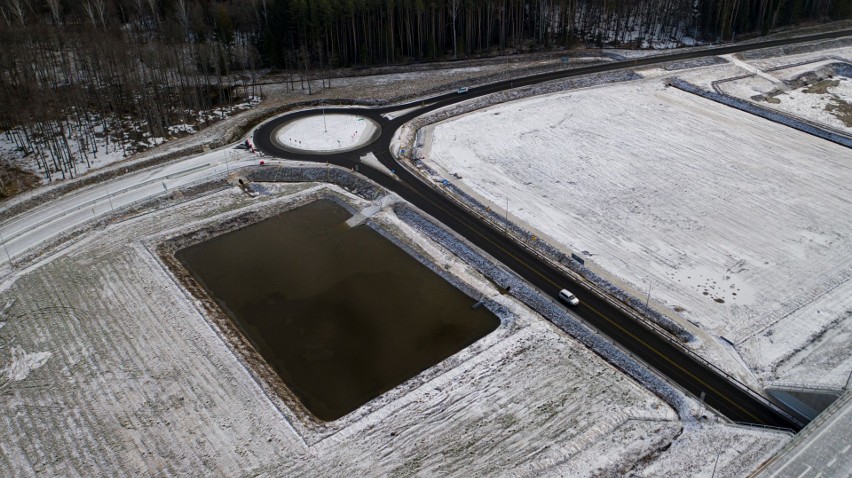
(75, 72)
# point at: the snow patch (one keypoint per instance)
(371, 160)
(24, 363)
(326, 132)
(719, 450)
(95, 141)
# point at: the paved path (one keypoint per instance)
(754, 70)
(822, 450)
(43, 223)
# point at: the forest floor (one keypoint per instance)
(14, 180)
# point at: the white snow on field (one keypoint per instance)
(792, 65)
(326, 132)
(805, 102)
(738, 223)
(798, 69)
(818, 51)
(140, 382)
(714, 450)
(751, 69)
(23, 363)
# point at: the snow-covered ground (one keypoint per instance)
(736, 223)
(118, 141)
(753, 70)
(714, 450)
(279, 92)
(412, 76)
(108, 367)
(827, 101)
(327, 132)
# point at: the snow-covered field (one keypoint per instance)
(108, 368)
(825, 100)
(327, 132)
(738, 224)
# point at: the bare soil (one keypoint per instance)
(771, 97)
(841, 109)
(14, 180)
(821, 87)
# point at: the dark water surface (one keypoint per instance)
(341, 314)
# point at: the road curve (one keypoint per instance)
(731, 399)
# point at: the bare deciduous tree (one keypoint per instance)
(53, 6)
(95, 10)
(19, 9)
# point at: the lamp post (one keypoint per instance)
(109, 198)
(508, 73)
(648, 299)
(507, 214)
(713, 475)
(8, 256)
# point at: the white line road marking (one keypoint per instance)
(831, 462)
(838, 417)
(805, 472)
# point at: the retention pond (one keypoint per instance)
(341, 314)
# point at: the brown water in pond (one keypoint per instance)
(343, 315)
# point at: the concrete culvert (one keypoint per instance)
(235, 179)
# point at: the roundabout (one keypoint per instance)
(322, 133)
(714, 387)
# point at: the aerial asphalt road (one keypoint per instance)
(731, 399)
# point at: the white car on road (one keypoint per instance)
(568, 297)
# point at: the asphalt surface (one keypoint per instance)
(731, 399)
(823, 449)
